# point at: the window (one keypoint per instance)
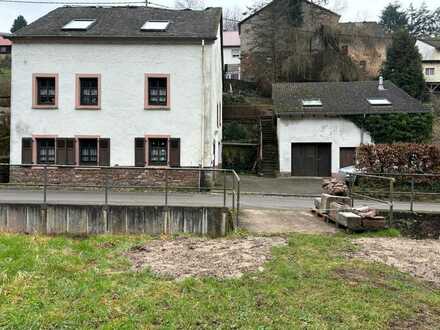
(158, 152)
(312, 103)
(88, 152)
(45, 151)
(344, 50)
(155, 26)
(79, 24)
(430, 71)
(88, 89)
(379, 102)
(157, 92)
(235, 52)
(3, 50)
(363, 65)
(45, 91)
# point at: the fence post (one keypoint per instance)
(106, 187)
(166, 187)
(391, 202)
(45, 186)
(233, 191)
(224, 189)
(238, 201)
(412, 193)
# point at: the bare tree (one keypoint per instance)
(231, 18)
(190, 4)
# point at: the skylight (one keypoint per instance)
(79, 24)
(311, 103)
(155, 26)
(379, 102)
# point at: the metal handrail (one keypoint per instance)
(413, 193)
(107, 186)
(390, 202)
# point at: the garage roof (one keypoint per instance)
(343, 98)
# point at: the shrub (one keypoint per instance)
(399, 158)
(396, 127)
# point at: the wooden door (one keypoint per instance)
(311, 159)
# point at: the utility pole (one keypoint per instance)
(146, 3)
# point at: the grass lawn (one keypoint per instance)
(86, 283)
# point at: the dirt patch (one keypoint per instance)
(195, 257)
(356, 276)
(421, 258)
(423, 319)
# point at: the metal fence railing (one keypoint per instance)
(388, 199)
(415, 186)
(223, 184)
(405, 187)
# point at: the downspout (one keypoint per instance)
(202, 123)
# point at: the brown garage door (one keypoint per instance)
(347, 157)
(311, 159)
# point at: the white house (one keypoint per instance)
(118, 86)
(231, 54)
(430, 51)
(315, 135)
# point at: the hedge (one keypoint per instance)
(399, 158)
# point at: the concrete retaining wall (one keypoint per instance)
(95, 220)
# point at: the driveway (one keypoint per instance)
(259, 221)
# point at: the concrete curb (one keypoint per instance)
(278, 194)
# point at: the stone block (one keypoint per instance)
(349, 220)
(327, 199)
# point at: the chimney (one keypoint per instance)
(381, 87)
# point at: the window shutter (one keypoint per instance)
(175, 152)
(70, 152)
(61, 151)
(26, 151)
(104, 152)
(139, 152)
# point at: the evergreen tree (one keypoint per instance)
(403, 65)
(19, 22)
(393, 18)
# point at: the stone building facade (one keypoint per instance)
(275, 47)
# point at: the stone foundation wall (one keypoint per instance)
(117, 177)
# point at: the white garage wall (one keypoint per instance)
(339, 132)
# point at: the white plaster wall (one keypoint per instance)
(214, 96)
(338, 132)
(122, 116)
(430, 53)
(227, 55)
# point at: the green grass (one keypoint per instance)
(86, 283)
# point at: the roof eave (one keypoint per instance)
(54, 38)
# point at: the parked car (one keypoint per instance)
(349, 174)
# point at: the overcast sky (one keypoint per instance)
(351, 10)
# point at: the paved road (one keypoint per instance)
(182, 199)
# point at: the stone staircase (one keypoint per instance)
(270, 149)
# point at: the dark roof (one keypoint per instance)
(126, 22)
(270, 3)
(434, 42)
(342, 98)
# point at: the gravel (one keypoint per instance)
(421, 258)
(196, 257)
